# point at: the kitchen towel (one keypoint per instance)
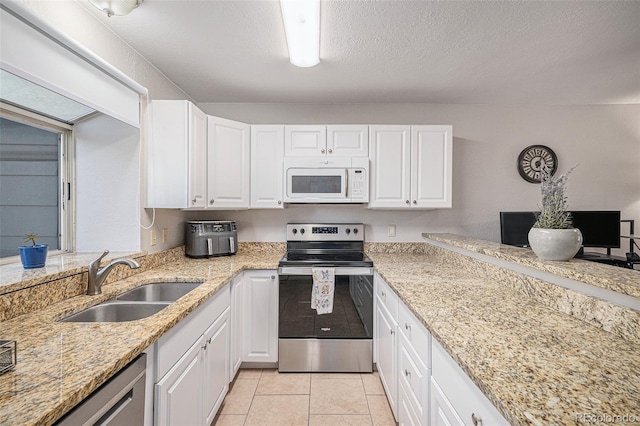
(322, 291)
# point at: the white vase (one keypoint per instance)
(555, 244)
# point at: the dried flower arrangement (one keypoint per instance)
(554, 212)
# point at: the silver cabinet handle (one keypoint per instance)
(279, 202)
(392, 332)
(407, 326)
(476, 420)
(273, 277)
(193, 201)
(407, 373)
(330, 150)
(406, 201)
(383, 294)
(415, 202)
(322, 150)
(211, 201)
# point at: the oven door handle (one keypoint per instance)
(304, 270)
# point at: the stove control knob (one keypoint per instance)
(355, 230)
(295, 231)
(302, 231)
(348, 231)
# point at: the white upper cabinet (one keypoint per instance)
(390, 159)
(176, 156)
(267, 154)
(348, 140)
(321, 141)
(431, 162)
(411, 166)
(228, 162)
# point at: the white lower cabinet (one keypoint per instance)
(385, 339)
(455, 399)
(235, 342)
(260, 316)
(191, 365)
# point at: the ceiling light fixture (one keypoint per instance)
(302, 29)
(116, 7)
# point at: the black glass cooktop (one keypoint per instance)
(338, 258)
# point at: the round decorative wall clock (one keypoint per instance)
(534, 159)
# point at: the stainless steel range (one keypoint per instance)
(339, 341)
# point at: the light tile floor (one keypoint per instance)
(267, 397)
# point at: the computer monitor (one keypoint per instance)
(598, 228)
(515, 226)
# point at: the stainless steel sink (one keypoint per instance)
(112, 311)
(158, 292)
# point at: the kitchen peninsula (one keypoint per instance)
(541, 353)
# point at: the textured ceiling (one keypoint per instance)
(507, 52)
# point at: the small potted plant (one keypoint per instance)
(553, 236)
(34, 255)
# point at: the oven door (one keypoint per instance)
(316, 185)
(341, 341)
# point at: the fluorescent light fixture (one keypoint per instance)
(302, 28)
(116, 7)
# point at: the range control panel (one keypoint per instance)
(325, 232)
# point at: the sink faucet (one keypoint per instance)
(97, 275)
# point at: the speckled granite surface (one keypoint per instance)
(621, 280)
(538, 366)
(59, 364)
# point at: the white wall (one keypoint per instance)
(107, 193)
(603, 139)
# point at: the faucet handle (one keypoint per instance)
(96, 263)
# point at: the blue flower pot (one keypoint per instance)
(33, 256)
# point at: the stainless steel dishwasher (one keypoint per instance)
(119, 401)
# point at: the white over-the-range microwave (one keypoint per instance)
(326, 180)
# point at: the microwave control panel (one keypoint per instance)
(358, 188)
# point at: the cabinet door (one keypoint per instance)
(215, 366)
(442, 413)
(431, 162)
(235, 349)
(267, 154)
(305, 141)
(390, 153)
(348, 140)
(197, 156)
(176, 403)
(228, 162)
(260, 323)
(406, 414)
(176, 155)
(385, 337)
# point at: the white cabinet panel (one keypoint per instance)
(348, 140)
(442, 413)
(228, 162)
(389, 155)
(385, 340)
(236, 318)
(260, 316)
(411, 166)
(176, 156)
(175, 401)
(215, 367)
(466, 399)
(431, 161)
(305, 141)
(267, 154)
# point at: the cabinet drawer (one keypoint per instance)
(415, 333)
(173, 344)
(442, 413)
(386, 297)
(413, 375)
(465, 397)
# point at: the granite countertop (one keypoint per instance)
(60, 364)
(536, 365)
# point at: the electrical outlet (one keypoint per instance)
(153, 238)
(392, 231)
(165, 235)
